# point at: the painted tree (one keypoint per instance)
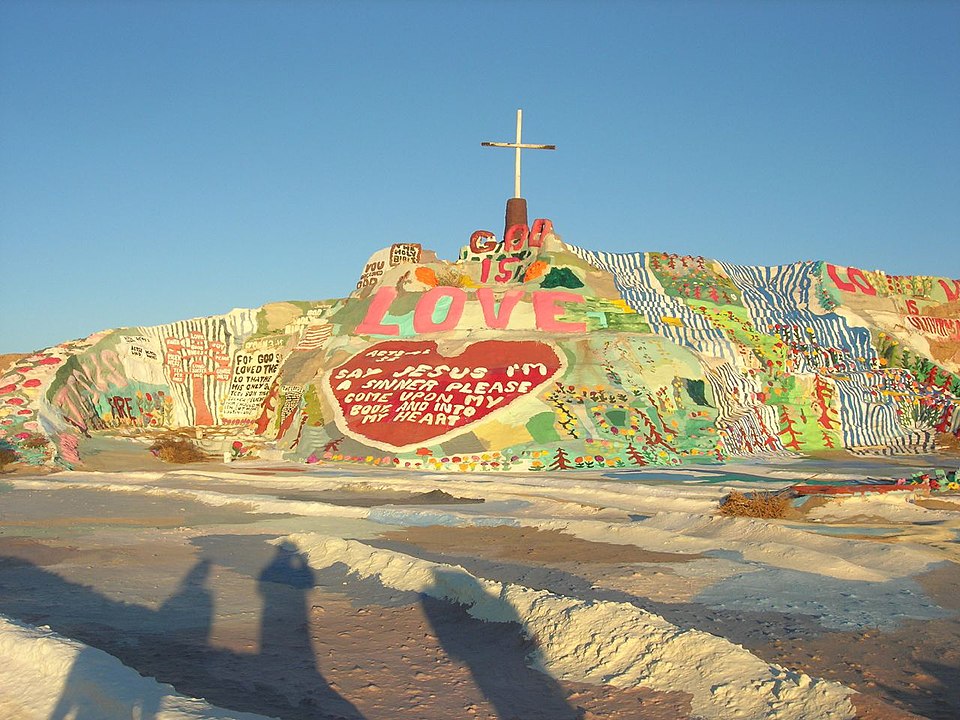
(299, 435)
(268, 414)
(946, 416)
(333, 445)
(764, 435)
(565, 419)
(561, 461)
(787, 428)
(653, 436)
(823, 394)
(635, 457)
(827, 440)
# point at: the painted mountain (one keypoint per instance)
(525, 353)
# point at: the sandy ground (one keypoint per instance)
(196, 593)
(913, 668)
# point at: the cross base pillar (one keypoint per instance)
(516, 213)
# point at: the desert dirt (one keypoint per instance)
(200, 596)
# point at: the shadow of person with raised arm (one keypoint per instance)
(129, 642)
(188, 613)
(185, 618)
(286, 637)
(496, 653)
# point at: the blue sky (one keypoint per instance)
(165, 160)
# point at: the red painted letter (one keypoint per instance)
(951, 294)
(541, 227)
(511, 241)
(858, 280)
(483, 241)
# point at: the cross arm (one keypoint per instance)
(522, 146)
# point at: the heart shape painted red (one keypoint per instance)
(402, 394)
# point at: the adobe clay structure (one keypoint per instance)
(525, 353)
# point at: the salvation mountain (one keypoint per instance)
(525, 353)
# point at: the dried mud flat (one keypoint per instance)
(190, 577)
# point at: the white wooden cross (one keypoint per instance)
(519, 146)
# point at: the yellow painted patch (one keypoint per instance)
(497, 434)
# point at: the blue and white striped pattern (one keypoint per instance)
(642, 291)
(746, 424)
(779, 295)
(779, 301)
(868, 414)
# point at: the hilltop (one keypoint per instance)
(524, 353)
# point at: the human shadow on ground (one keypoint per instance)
(763, 626)
(286, 634)
(189, 609)
(172, 645)
(751, 629)
(498, 654)
(937, 699)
